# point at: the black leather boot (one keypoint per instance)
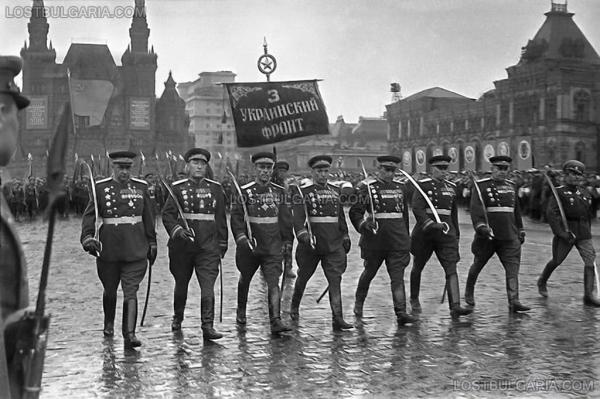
(359, 301)
(109, 304)
(335, 299)
(242, 299)
(512, 290)
(296, 298)
(541, 282)
(399, 299)
(277, 326)
(470, 289)
(415, 285)
(207, 310)
(454, 297)
(176, 322)
(588, 287)
(129, 323)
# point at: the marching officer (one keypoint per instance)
(429, 236)
(504, 233)
(271, 231)
(322, 236)
(280, 177)
(126, 240)
(384, 235)
(577, 203)
(196, 222)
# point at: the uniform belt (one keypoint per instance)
(123, 220)
(387, 215)
(445, 212)
(199, 216)
(263, 219)
(500, 209)
(323, 219)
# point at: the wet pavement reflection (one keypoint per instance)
(489, 353)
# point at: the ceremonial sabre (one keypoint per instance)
(376, 228)
(563, 217)
(436, 216)
(147, 295)
(485, 215)
(97, 222)
(251, 240)
(172, 194)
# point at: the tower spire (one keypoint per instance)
(38, 26)
(139, 31)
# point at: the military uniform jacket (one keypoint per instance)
(503, 210)
(391, 214)
(203, 206)
(577, 204)
(442, 194)
(127, 220)
(269, 215)
(325, 214)
(14, 294)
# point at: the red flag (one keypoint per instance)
(58, 151)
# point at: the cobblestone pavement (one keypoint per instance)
(552, 349)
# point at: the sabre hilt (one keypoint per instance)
(445, 228)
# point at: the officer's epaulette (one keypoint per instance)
(451, 183)
(179, 181)
(278, 186)
(425, 180)
(212, 181)
(482, 180)
(104, 180)
(398, 180)
(139, 180)
(307, 184)
(248, 185)
(369, 180)
(563, 186)
(510, 181)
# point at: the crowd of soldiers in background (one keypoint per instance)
(28, 197)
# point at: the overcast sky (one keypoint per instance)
(358, 47)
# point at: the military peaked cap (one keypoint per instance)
(574, 166)
(501, 160)
(10, 66)
(440, 160)
(282, 165)
(122, 157)
(197, 153)
(263, 157)
(389, 160)
(319, 161)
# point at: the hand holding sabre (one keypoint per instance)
(443, 226)
(93, 245)
(251, 241)
(486, 230)
(373, 222)
(186, 233)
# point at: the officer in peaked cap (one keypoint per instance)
(501, 233)
(261, 245)
(198, 244)
(576, 202)
(14, 296)
(282, 165)
(124, 244)
(326, 242)
(429, 236)
(384, 234)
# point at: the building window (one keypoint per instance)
(581, 106)
(580, 152)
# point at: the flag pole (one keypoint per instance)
(71, 109)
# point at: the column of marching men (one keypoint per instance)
(118, 228)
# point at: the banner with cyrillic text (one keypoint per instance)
(269, 112)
